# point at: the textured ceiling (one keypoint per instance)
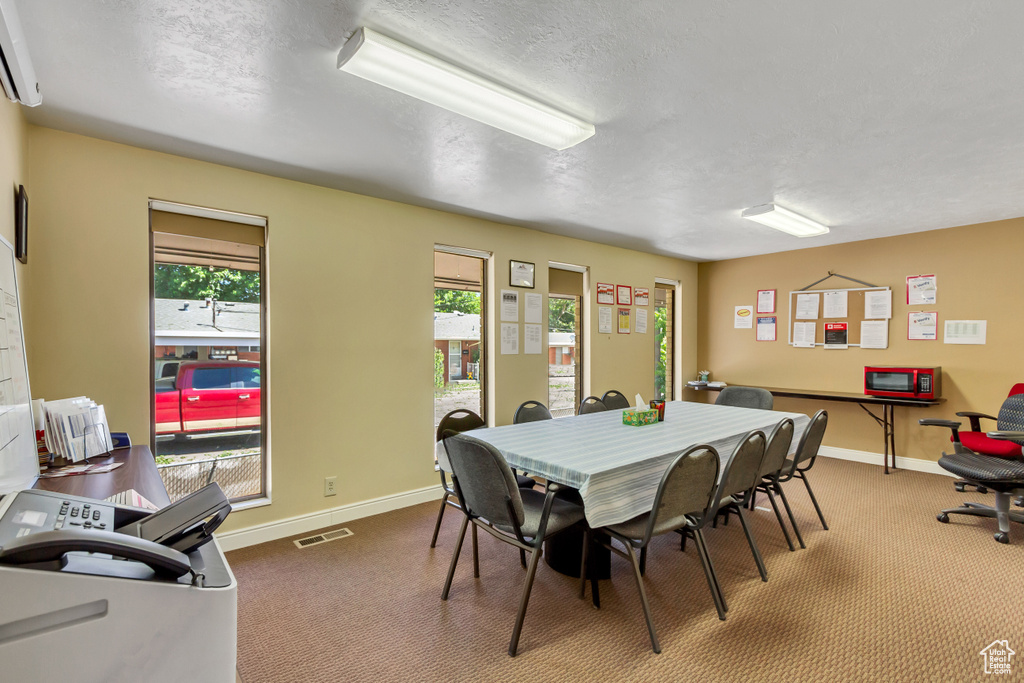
(875, 117)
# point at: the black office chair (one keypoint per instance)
(531, 411)
(614, 400)
(591, 404)
(746, 397)
(491, 500)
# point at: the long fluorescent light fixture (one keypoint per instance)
(387, 62)
(774, 216)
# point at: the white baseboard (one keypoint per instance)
(261, 533)
(915, 464)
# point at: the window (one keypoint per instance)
(460, 350)
(664, 341)
(565, 340)
(208, 310)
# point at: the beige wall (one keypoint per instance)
(343, 269)
(978, 269)
(13, 172)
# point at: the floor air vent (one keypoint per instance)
(322, 538)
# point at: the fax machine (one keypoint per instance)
(91, 591)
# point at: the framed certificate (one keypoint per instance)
(605, 293)
(623, 295)
(521, 274)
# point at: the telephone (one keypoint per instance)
(40, 528)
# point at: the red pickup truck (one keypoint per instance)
(209, 396)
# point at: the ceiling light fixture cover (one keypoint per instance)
(774, 216)
(387, 62)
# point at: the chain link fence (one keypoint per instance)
(238, 475)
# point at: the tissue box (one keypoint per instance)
(639, 418)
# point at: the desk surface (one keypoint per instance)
(138, 472)
(616, 467)
(842, 396)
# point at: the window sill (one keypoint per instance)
(251, 503)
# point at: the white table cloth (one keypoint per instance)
(617, 467)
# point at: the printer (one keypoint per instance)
(91, 591)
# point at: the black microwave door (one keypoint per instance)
(902, 382)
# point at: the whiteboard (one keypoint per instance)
(19, 465)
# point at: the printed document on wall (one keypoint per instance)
(509, 338)
(922, 290)
(534, 308)
(923, 325)
(641, 321)
(803, 334)
(531, 338)
(807, 306)
(510, 305)
(878, 303)
(874, 334)
(604, 320)
(965, 331)
(835, 304)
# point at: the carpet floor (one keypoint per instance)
(886, 594)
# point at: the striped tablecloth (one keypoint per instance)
(616, 467)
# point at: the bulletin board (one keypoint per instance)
(854, 313)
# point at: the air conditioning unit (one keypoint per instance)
(16, 73)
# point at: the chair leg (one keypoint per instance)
(522, 557)
(643, 561)
(752, 543)
(655, 645)
(476, 555)
(583, 564)
(455, 558)
(513, 646)
(709, 574)
(782, 525)
(814, 500)
(789, 511)
(682, 541)
(440, 514)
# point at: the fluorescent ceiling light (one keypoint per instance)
(387, 62)
(774, 216)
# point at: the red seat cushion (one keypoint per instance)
(979, 443)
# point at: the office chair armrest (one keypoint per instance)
(552, 486)
(933, 422)
(975, 419)
(1006, 436)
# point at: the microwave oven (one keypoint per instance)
(902, 382)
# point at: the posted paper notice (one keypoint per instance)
(531, 338)
(874, 334)
(604, 319)
(923, 325)
(743, 318)
(641, 321)
(835, 304)
(509, 338)
(803, 334)
(965, 331)
(534, 308)
(836, 335)
(922, 290)
(766, 326)
(878, 304)
(807, 306)
(509, 305)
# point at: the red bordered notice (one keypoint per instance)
(605, 293)
(623, 295)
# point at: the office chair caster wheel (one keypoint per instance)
(942, 517)
(959, 486)
(1019, 502)
(982, 489)
(1002, 537)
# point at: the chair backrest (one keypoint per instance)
(485, 482)
(1011, 415)
(531, 411)
(687, 489)
(746, 397)
(591, 404)
(614, 400)
(458, 420)
(777, 449)
(744, 466)
(1016, 389)
(810, 442)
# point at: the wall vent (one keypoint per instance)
(325, 537)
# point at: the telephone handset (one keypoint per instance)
(51, 546)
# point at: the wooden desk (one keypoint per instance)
(885, 421)
(138, 472)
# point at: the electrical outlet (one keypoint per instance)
(330, 486)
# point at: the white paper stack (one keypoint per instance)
(76, 428)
